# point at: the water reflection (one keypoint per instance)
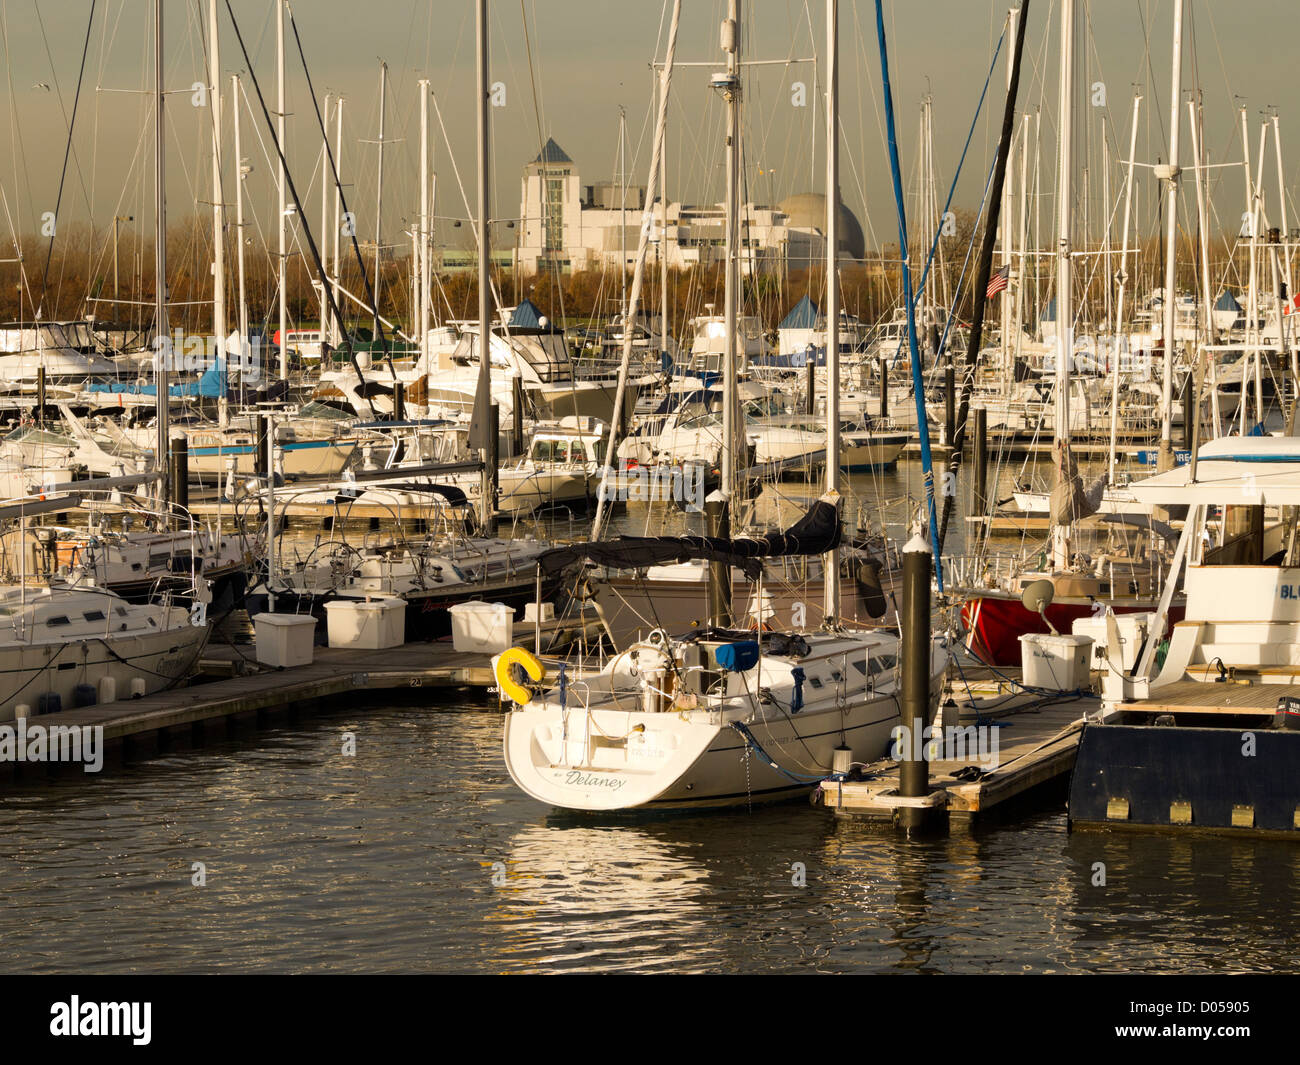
(385, 862)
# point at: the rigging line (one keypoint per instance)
(306, 226)
(923, 426)
(67, 151)
(957, 174)
(338, 184)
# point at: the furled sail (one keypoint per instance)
(817, 532)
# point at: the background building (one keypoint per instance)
(570, 226)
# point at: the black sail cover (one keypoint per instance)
(817, 532)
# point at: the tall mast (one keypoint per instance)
(622, 212)
(483, 393)
(218, 208)
(336, 336)
(379, 189)
(1061, 532)
(731, 45)
(160, 262)
(1004, 298)
(830, 565)
(1169, 174)
(731, 92)
(1121, 337)
(325, 325)
(240, 173)
(423, 257)
(284, 205)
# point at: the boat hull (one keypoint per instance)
(994, 624)
(564, 759)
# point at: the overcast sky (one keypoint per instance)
(567, 68)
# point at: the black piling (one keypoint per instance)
(914, 772)
(981, 456)
(180, 468)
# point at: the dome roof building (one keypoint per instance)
(807, 211)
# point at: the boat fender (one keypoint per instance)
(506, 677)
(796, 696)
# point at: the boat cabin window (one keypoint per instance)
(1241, 541)
(578, 452)
(550, 451)
(94, 615)
(60, 620)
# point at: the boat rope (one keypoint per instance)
(67, 152)
(757, 748)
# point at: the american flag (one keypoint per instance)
(997, 283)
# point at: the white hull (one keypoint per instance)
(160, 659)
(603, 753)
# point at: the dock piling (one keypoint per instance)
(914, 774)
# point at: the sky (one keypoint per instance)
(567, 67)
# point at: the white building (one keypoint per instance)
(568, 225)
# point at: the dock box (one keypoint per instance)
(1055, 663)
(1132, 630)
(284, 640)
(368, 624)
(487, 628)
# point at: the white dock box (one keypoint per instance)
(1132, 630)
(368, 624)
(1057, 663)
(284, 639)
(484, 627)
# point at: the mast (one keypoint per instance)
(622, 212)
(1061, 532)
(1004, 297)
(218, 208)
(656, 169)
(283, 220)
(1281, 199)
(663, 206)
(1169, 174)
(422, 259)
(379, 189)
(336, 335)
(1121, 337)
(240, 173)
(731, 46)
(160, 265)
(325, 324)
(483, 393)
(830, 564)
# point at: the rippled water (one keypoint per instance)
(319, 862)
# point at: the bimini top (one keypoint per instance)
(1242, 470)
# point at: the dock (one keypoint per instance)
(1037, 738)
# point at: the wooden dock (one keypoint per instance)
(250, 694)
(1036, 741)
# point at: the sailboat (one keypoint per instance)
(996, 618)
(718, 717)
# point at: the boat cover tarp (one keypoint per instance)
(211, 385)
(817, 532)
(1226, 302)
(526, 316)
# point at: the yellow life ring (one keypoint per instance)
(511, 688)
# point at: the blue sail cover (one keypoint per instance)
(526, 316)
(1226, 302)
(804, 315)
(211, 385)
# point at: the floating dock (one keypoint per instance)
(1037, 738)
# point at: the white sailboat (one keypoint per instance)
(719, 717)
